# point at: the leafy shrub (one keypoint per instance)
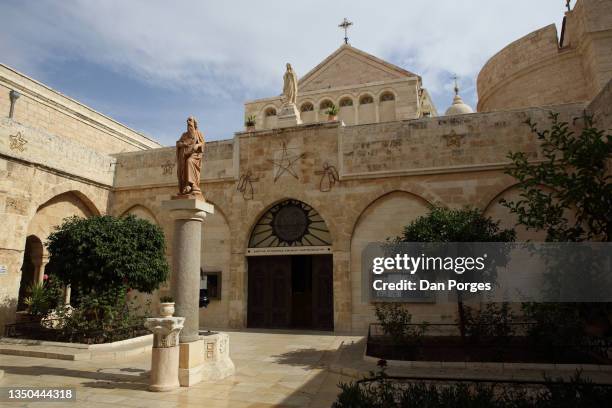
(491, 322)
(101, 317)
(379, 391)
(394, 319)
(43, 297)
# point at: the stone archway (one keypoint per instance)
(32, 269)
(290, 269)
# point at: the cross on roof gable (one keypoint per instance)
(350, 66)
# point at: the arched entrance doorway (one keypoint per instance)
(290, 269)
(30, 269)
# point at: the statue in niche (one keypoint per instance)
(290, 86)
(189, 151)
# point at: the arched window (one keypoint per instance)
(307, 107)
(366, 99)
(290, 223)
(270, 112)
(326, 104)
(387, 96)
(346, 102)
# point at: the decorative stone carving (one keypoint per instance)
(189, 150)
(165, 352)
(285, 163)
(329, 177)
(167, 167)
(453, 139)
(245, 185)
(165, 330)
(17, 142)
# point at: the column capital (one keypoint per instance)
(188, 209)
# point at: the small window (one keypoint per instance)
(387, 96)
(326, 104)
(307, 107)
(270, 112)
(210, 283)
(366, 99)
(346, 102)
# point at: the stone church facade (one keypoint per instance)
(294, 207)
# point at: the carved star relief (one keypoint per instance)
(285, 163)
(17, 142)
(453, 139)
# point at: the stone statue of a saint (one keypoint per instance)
(189, 150)
(290, 86)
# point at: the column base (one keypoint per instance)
(205, 360)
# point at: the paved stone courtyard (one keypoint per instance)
(273, 369)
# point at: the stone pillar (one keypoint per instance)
(165, 352)
(188, 215)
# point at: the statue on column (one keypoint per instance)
(189, 150)
(290, 86)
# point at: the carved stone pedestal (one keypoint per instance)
(217, 362)
(288, 116)
(165, 352)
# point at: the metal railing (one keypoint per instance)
(443, 342)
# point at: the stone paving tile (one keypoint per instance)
(273, 370)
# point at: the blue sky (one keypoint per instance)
(151, 63)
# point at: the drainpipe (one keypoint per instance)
(13, 95)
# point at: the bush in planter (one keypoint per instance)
(102, 258)
(101, 317)
(332, 111)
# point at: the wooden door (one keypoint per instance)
(322, 292)
(269, 292)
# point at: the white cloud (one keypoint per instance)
(237, 49)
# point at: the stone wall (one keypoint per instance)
(537, 70)
(43, 108)
(54, 163)
(389, 173)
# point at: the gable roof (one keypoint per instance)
(350, 66)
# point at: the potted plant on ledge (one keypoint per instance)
(166, 306)
(250, 123)
(332, 112)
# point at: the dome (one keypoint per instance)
(458, 107)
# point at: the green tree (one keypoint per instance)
(576, 171)
(108, 254)
(576, 206)
(456, 225)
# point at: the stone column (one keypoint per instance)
(165, 352)
(188, 215)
